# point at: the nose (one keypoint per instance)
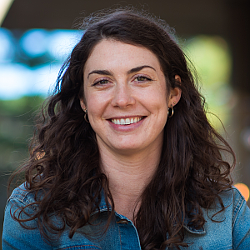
(123, 96)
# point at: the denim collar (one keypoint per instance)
(189, 228)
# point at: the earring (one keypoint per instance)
(86, 115)
(170, 111)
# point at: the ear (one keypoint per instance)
(83, 106)
(175, 94)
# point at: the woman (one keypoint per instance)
(125, 157)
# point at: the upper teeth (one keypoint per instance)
(126, 121)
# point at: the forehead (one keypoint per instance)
(111, 54)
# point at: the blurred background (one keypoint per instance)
(37, 36)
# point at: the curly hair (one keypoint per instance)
(64, 156)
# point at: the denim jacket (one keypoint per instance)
(233, 232)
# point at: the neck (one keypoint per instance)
(128, 177)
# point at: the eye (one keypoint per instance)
(142, 79)
(101, 82)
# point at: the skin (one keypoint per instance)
(123, 81)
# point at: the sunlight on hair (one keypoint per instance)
(243, 189)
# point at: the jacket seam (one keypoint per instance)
(248, 233)
(28, 202)
(237, 209)
(80, 247)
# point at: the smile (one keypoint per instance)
(126, 121)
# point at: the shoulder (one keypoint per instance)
(235, 212)
(240, 218)
(232, 223)
(233, 201)
(22, 196)
(235, 219)
(231, 195)
(26, 233)
(22, 193)
(15, 234)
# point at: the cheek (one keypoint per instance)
(96, 105)
(161, 105)
(158, 98)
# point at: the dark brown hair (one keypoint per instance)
(65, 159)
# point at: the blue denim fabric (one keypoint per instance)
(233, 232)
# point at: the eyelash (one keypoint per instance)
(145, 78)
(100, 82)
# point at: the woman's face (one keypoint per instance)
(126, 97)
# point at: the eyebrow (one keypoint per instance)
(108, 73)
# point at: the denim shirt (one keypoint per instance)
(233, 232)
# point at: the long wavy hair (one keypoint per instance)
(64, 157)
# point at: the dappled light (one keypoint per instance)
(212, 59)
(31, 60)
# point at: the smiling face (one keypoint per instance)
(126, 97)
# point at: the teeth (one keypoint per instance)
(122, 122)
(126, 121)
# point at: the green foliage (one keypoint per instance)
(16, 128)
(212, 60)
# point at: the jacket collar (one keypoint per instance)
(103, 208)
